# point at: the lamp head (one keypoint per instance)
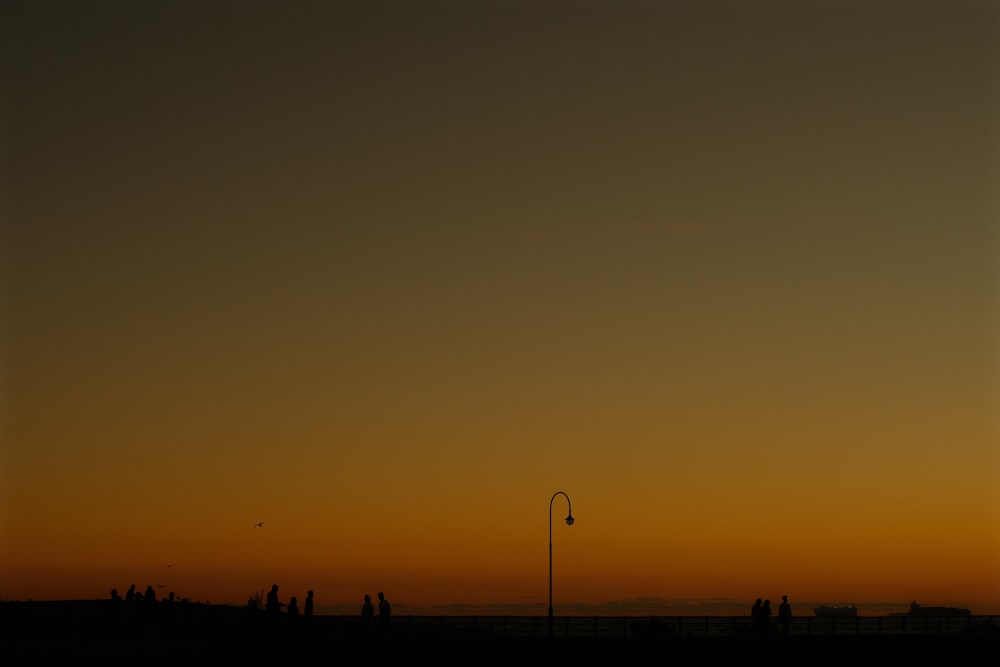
(570, 519)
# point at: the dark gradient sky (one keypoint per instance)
(389, 274)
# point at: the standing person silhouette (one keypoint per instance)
(765, 618)
(307, 613)
(115, 613)
(367, 615)
(756, 615)
(272, 609)
(293, 615)
(309, 605)
(784, 614)
(384, 612)
(273, 605)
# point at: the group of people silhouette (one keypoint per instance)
(369, 621)
(134, 597)
(273, 606)
(760, 616)
(143, 611)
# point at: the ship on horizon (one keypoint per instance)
(836, 611)
(918, 610)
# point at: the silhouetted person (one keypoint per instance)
(765, 617)
(784, 614)
(131, 608)
(273, 605)
(367, 615)
(115, 611)
(148, 611)
(272, 610)
(293, 615)
(384, 612)
(756, 614)
(168, 612)
(308, 611)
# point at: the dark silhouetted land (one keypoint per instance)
(72, 632)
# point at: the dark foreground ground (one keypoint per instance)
(513, 651)
(94, 633)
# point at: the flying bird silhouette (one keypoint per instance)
(259, 524)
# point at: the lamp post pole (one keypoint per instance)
(569, 522)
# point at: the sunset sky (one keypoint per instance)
(387, 275)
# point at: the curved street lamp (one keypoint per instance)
(569, 522)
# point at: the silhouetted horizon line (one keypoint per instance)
(626, 607)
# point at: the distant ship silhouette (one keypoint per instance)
(850, 611)
(917, 610)
(836, 611)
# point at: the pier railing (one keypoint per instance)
(608, 626)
